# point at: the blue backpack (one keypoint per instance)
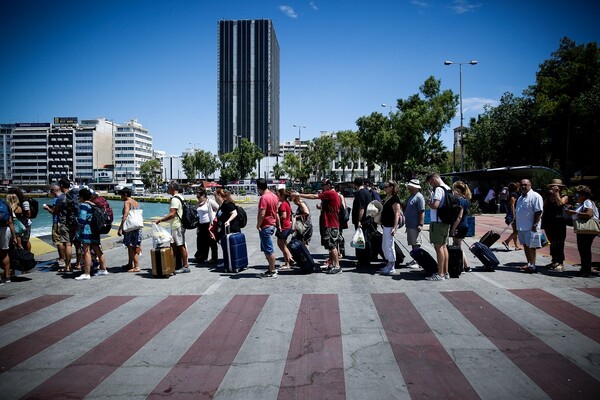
(5, 213)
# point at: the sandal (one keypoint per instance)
(65, 269)
(134, 270)
(506, 245)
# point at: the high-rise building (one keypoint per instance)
(248, 85)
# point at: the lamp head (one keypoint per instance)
(448, 62)
(473, 62)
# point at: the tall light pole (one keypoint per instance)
(299, 133)
(239, 144)
(390, 106)
(462, 153)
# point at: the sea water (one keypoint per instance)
(42, 225)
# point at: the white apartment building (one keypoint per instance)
(132, 147)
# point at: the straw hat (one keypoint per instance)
(556, 182)
(414, 183)
(374, 210)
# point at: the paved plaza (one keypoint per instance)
(355, 335)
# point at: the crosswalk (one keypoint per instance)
(490, 344)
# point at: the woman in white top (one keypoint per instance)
(204, 241)
(586, 210)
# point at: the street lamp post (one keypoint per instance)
(461, 128)
(299, 140)
(391, 166)
(239, 144)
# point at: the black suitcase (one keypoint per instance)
(455, 261)
(399, 254)
(425, 260)
(302, 257)
(485, 255)
(21, 259)
(489, 238)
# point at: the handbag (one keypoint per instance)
(299, 227)
(358, 240)
(19, 227)
(135, 220)
(588, 227)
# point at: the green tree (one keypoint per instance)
(320, 154)
(206, 163)
(278, 171)
(247, 155)
(151, 173)
(291, 165)
(229, 167)
(189, 167)
(349, 143)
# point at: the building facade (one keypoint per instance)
(248, 85)
(132, 147)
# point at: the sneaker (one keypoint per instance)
(530, 269)
(61, 264)
(269, 274)
(333, 270)
(389, 271)
(83, 277)
(434, 277)
(182, 270)
(446, 276)
(467, 269)
(413, 265)
(101, 272)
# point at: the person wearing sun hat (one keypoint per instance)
(554, 224)
(414, 216)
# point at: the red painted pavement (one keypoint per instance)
(428, 371)
(29, 307)
(315, 368)
(591, 291)
(30, 345)
(198, 374)
(553, 373)
(88, 371)
(578, 319)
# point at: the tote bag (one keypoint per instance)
(135, 220)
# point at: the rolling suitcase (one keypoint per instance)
(455, 261)
(302, 257)
(425, 260)
(235, 253)
(485, 255)
(489, 238)
(163, 262)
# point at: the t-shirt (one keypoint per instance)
(223, 214)
(439, 193)
(465, 204)
(330, 205)
(361, 201)
(527, 205)
(285, 207)
(585, 206)
(414, 206)
(268, 201)
(178, 205)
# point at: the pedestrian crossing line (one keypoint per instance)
(427, 368)
(591, 291)
(314, 367)
(578, 319)
(93, 367)
(28, 346)
(198, 374)
(554, 374)
(29, 307)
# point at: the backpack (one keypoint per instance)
(343, 216)
(189, 217)
(103, 204)
(242, 217)
(5, 213)
(449, 210)
(100, 222)
(70, 206)
(34, 207)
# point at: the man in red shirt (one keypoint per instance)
(266, 223)
(330, 203)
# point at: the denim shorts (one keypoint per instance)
(266, 240)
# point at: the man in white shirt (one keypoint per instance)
(438, 231)
(528, 218)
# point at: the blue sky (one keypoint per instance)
(156, 60)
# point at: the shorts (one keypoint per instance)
(266, 240)
(331, 238)
(5, 237)
(438, 233)
(178, 237)
(413, 237)
(133, 238)
(283, 235)
(461, 232)
(60, 233)
(525, 237)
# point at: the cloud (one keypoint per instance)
(476, 105)
(289, 11)
(463, 6)
(313, 6)
(420, 3)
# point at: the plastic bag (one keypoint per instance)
(358, 240)
(535, 240)
(160, 236)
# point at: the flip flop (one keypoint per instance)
(65, 269)
(506, 245)
(134, 270)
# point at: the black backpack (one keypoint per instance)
(34, 208)
(449, 210)
(242, 217)
(189, 217)
(101, 222)
(70, 206)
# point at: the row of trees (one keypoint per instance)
(554, 123)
